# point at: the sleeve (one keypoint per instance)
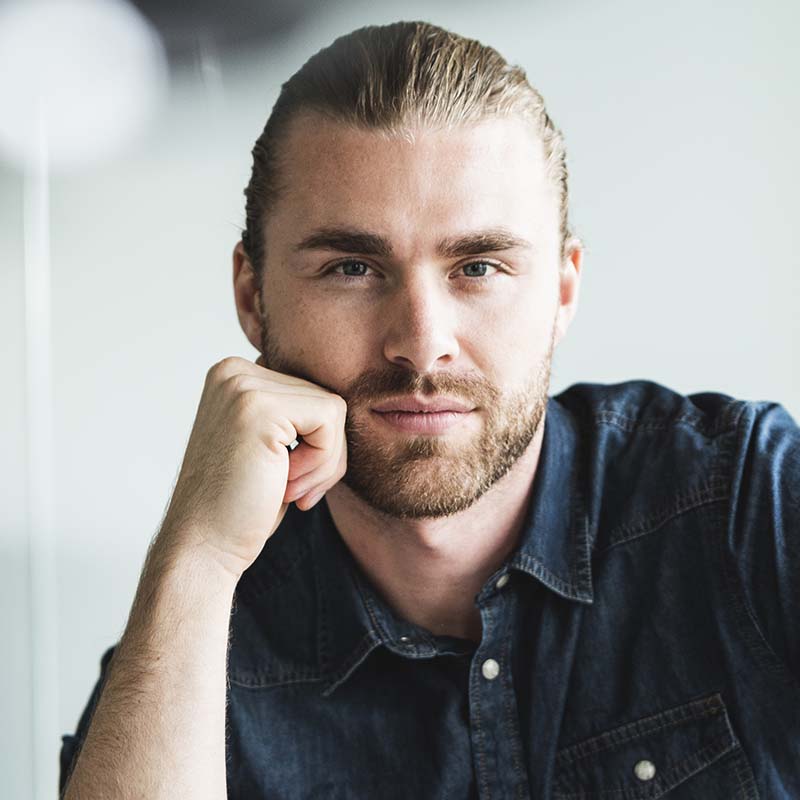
(764, 530)
(71, 744)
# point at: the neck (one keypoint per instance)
(429, 570)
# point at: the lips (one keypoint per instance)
(423, 415)
(431, 422)
(422, 405)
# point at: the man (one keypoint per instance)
(502, 594)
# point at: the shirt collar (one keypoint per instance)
(554, 548)
(555, 542)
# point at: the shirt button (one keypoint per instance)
(644, 770)
(490, 669)
(502, 581)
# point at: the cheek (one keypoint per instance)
(329, 342)
(507, 341)
(522, 317)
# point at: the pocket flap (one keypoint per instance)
(645, 759)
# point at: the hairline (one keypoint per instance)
(405, 131)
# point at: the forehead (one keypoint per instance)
(439, 181)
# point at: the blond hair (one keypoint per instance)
(391, 78)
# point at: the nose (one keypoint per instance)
(420, 326)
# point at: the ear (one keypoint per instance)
(246, 294)
(569, 287)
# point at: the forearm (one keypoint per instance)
(158, 730)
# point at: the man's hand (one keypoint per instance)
(238, 475)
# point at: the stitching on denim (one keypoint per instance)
(584, 550)
(507, 681)
(374, 616)
(703, 758)
(678, 773)
(264, 680)
(744, 774)
(694, 710)
(366, 644)
(255, 678)
(697, 420)
(736, 765)
(475, 683)
(733, 412)
(579, 587)
(631, 424)
(634, 735)
(533, 565)
(269, 682)
(579, 529)
(684, 503)
(377, 619)
(712, 491)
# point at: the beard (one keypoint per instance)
(424, 476)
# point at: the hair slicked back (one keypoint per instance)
(393, 79)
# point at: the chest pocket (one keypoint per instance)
(683, 753)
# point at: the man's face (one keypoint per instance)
(428, 269)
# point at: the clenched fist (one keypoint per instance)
(238, 475)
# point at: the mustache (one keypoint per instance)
(375, 385)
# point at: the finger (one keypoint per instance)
(303, 460)
(280, 376)
(312, 482)
(316, 421)
(270, 384)
(319, 421)
(319, 480)
(311, 498)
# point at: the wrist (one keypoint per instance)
(187, 551)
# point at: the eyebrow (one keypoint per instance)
(354, 240)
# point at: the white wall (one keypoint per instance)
(681, 123)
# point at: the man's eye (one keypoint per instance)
(350, 269)
(477, 269)
(355, 269)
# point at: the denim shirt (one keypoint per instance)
(641, 641)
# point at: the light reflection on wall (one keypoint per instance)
(81, 78)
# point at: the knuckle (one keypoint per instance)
(247, 401)
(223, 368)
(276, 433)
(285, 427)
(236, 384)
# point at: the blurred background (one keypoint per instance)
(125, 139)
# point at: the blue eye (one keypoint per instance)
(360, 265)
(476, 270)
(477, 265)
(352, 270)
